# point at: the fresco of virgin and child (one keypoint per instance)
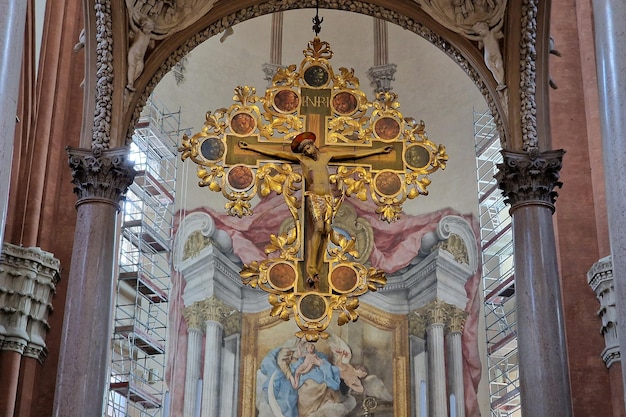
(296, 380)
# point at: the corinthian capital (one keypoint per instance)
(103, 175)
(194, 316)
(455, 319)
(434, 312)
(530, 177)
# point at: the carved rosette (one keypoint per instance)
(28, 279)
(530, 178)
(102, 176)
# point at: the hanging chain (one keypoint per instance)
(317, 22)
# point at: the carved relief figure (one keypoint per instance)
(152, 20)
(477, 20)
(488, 40)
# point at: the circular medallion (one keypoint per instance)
(344, 103)
(388, 183)
(316, 76)
(344, 279)
(286, 101)
(417, 157)
(313, 306)
(212, 149)
(240, 177)
(282, 276)
(387, 128)
(242, 123)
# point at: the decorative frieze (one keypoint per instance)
(101, 175)
(530, 177)
(600, 279)
(28, 279)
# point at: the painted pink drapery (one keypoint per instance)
(395, 246)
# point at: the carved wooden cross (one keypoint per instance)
(376, 151)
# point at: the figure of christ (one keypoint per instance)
(317, 191)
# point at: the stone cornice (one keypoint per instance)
(101, 175)
(529, 178)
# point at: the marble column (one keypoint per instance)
(100, 179)
(214, 312)
(610, 40)
(455, 320)
(527, 181)
(12, 26)
(193, 316)
(434, 314)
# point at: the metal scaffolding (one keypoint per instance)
(498, 274)
(137, 367)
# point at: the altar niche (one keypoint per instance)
(343, 145)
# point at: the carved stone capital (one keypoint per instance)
(194, 316)
(270, 70)
(434, 312)
(600, 279)
(529, 178)
(101, 175)
(417, 324)
(382, 76)
(212, 309)
(455, 319)
(28, 279)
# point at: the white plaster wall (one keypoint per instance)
(430, 87)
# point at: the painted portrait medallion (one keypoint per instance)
(242, 123)
(387, 128)
(316, 76)
(212, 149)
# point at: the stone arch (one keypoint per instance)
(412, 18)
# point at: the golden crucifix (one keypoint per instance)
(319, 120)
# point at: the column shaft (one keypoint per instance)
(436, 371)
(12, 26)
(455, 371)
(211, 392)
(82, 371)
(192, 374)
(541, 335)
(10, 366)
(610, 40)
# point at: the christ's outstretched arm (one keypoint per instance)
(344, 156)
(282, 155)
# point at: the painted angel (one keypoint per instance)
(356, 377)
